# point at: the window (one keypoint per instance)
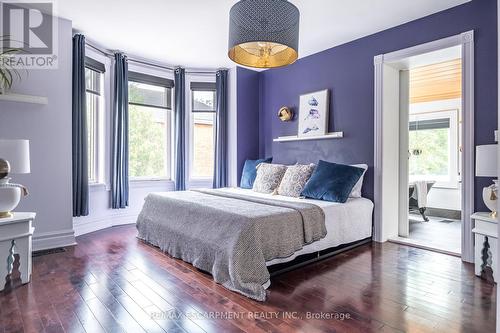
(434, 147)
(150, 105)
(202, 149)
(93, 87)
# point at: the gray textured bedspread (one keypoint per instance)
(228, 235)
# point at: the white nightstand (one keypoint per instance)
(485, 243)
(15, 238)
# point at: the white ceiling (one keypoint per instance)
(193, 33)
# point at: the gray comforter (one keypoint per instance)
(229, 235)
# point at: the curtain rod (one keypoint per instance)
(111, 55)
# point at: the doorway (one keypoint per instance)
(424, 120)
(430, 134)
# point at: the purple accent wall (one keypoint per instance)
(248, 116)
(347, 70)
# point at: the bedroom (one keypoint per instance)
(155, 111)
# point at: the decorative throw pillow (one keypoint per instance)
(250, 172)
(356, 190)
(294, 179)
(332, 182)
(268, 177)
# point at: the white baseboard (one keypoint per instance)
(51, 240)
(82, 228)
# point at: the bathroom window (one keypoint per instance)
(434, 148)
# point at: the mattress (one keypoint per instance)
(345, 222)
(229, 235)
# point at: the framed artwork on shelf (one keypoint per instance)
(313, 113)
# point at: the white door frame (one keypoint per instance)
(381, 190)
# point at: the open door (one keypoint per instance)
(404, 112)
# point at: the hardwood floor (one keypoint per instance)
(440, 233)
(111, 282)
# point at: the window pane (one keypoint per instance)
(203, 101)
(93, 81)
(147, 141)
(203, 145)
(429, 153)
(93, 88)
(92, 116)
(150, 95)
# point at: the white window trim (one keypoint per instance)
(192, 181)
(453, 166)
(168, 123)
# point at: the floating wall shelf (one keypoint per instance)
(332, 135)
(24, 98)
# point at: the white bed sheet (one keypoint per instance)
(345, 223)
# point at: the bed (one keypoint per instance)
(345, 223)
(236, 234)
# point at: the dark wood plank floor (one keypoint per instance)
(111, 282)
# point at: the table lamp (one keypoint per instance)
(486, 166)
(15, 159)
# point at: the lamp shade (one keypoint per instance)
(17, 153)
(264, 33)
(486, 161)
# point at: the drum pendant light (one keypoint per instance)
(264, 33)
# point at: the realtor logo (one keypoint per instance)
(28, 37)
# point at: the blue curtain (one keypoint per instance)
(119, 137)
(180, 129)
(79, 128)
(220, 166)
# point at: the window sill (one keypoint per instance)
(146, 179)
(200, 183)
(134, 183)
(141, 183)
(95, 187)
(446, 187)
(438, 184)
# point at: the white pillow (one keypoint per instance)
(294, 179)
(356, 190)
(268, 177)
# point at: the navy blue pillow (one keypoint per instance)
(332, 182)
(250, 172)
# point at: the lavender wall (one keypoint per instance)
(347, 70)
(48, 127)
(248, 116)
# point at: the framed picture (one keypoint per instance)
(313, 113)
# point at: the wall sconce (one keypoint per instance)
(285, 114)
